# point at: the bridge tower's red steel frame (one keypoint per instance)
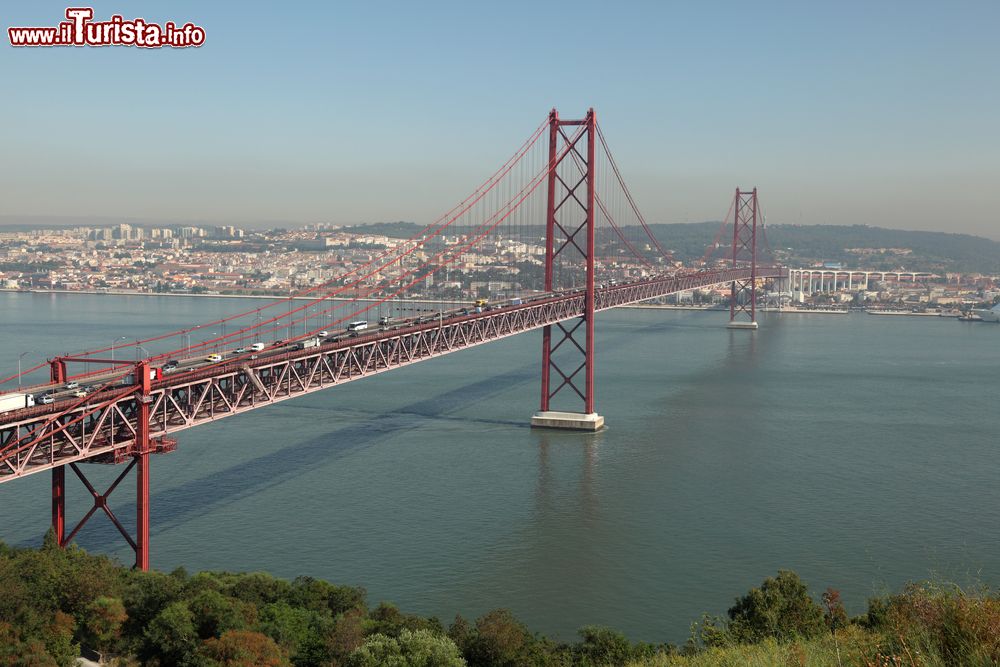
(570, 232)
(743, 293)
(139, 454)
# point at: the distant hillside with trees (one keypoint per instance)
(931, 251)
(394, 230)
(807, 244)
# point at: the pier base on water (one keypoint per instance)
(741, 325)
(573, 421)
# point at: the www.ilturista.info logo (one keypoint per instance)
(80, 30)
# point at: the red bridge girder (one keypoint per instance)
(48, 436)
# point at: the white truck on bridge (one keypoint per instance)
(16, 401)
(307, 343)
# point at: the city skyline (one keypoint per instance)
(842, 115)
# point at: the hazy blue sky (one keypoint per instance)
(880, 113)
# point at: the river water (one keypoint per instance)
(861, 451)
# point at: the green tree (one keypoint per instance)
(460, 632)
(258, 588)
(347, 635)
(146, 595)
(318, 595)
(17, 595)
(877, 616)
(780, 608)
(41, 572)
(199, 583)
(103, 622)
(310, 593)
(17, 651)
(58, 640)
(386, 619)
(420, 648)
(216, 613)
(604, 647)
(834, 613)
(710, 631)
(242, 648)
(500, 640)
(342, 598)
(84, 578)
(314, 650)
(287, 625)
(172, 636)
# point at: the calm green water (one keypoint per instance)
(861, 451)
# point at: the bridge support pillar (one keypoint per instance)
(142, 468)
(139, 452)
(142, 511)
(59, 503)
(743, 293)
(570, 223)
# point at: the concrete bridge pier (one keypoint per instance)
(571, 421)
(738, 324)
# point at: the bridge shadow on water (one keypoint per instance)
(196, 497)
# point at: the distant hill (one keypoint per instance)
(395, 230)
(23, 223)
(795, 244)
(807, 244)
(930, 250)
(803, 244)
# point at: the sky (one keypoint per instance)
(880, 113)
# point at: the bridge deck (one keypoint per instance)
(103, 425)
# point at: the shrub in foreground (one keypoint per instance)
(56, 600)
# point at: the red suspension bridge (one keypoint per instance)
(554, 236)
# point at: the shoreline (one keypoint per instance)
(266, 297)
(806, 311)
(793, 311)
(666, 306)
(636, 306)
(904, 313)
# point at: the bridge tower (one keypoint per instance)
(743, 293)
(570, 198)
